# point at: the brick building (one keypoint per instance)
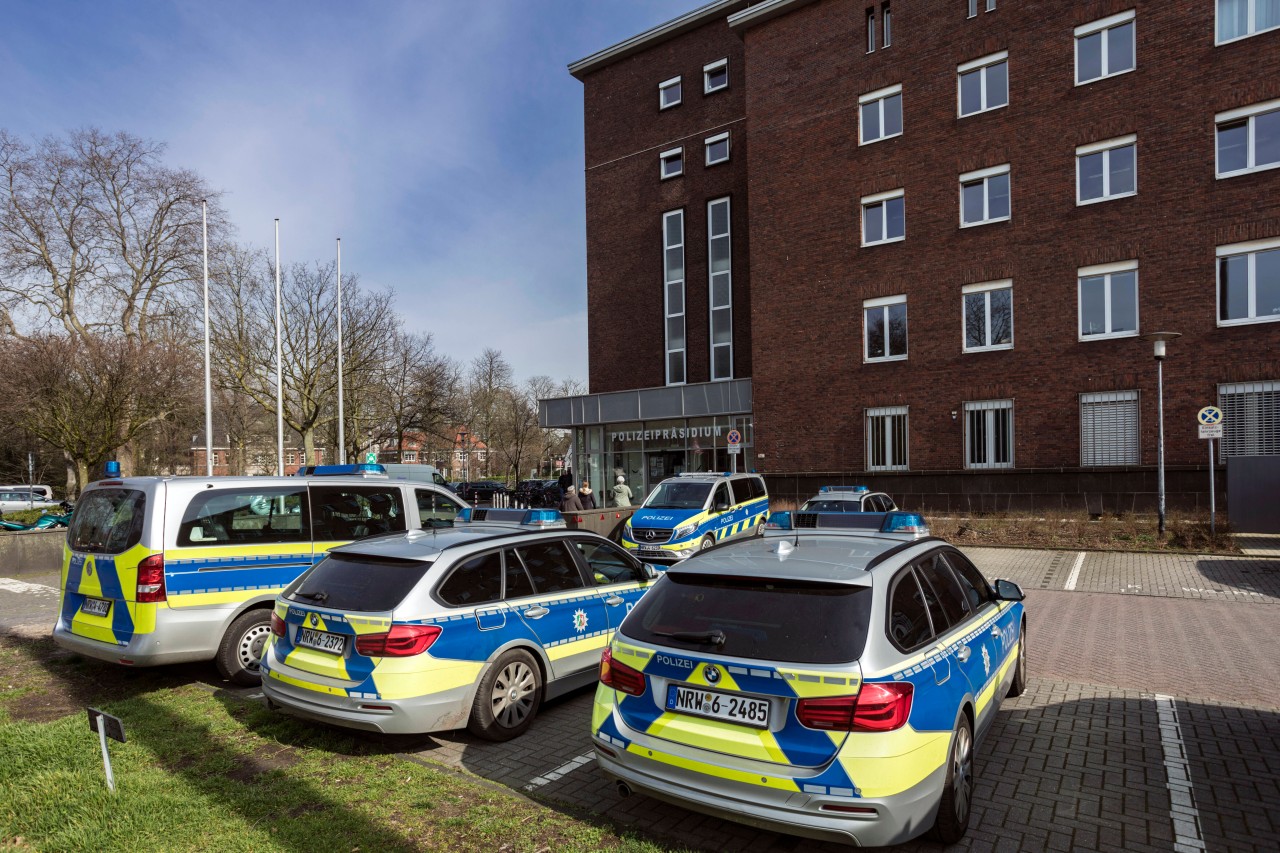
(918, 243)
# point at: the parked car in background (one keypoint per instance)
(16, 499)
(43, 493)
(480, 491)
(848, 499)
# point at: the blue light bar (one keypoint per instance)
(904, 522)
(543, 518)
(362, 469)
(464, 514)
(843, 489)
(523, 517)
(778, 521)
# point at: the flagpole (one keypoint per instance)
(342, 443)
(279, 368)
(208, 382)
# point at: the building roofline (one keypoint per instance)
(652, 36)
(758, 13)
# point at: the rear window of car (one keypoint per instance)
(784, 621)
(357, 582)
(108, 521)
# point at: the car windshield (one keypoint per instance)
(778, 620)
(816, 505)
(675, 494)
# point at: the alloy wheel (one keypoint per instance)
(513, 694)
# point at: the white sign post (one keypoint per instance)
(1210, 420)
(734, 441)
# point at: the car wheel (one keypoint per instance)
(1019, 684)
(957, 795)
(239, 656)
(508, 697)
(707, 542)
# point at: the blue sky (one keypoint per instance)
(441, 139)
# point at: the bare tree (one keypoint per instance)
(487, 385)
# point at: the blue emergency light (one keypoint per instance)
(523, 517)
(843, 489)
(361, 469)
(884, 522)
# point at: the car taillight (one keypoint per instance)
(619, 676)
(151, 580)
(277, 624)
(878, 707)
(401, 641)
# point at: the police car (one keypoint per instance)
(691, 512)
(474, 625)
(848, 499)
(828, 680)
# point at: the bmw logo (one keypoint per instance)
(712, 674)
(315, 620)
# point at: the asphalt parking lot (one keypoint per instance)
(1151, 722)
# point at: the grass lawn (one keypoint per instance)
(204, 769)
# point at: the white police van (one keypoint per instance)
(691, 512)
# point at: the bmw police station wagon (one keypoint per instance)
(691, 512)
(432, 630)
(826, 680)
(848, 499)
(163, 570)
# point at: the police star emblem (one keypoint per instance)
(580, 621)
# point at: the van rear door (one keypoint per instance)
(100, 566)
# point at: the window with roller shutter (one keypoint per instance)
(1109, 429)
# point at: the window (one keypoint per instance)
(884, 218)
(984, 84)
(871, 29)
(1249, 139)
(290, 458)
(1250, 419)
(551, 566)
(608, 563)
(991, 5)
(715, 76)
(909, 624)
(976, 588)
(886, 328)
(717, 148)
(409, 456)
(1249, 282)
(984, 196)
(720, 286)
(988, 434)
(1108, 300)
(668, 93)
(477, 581)
(886, 20)
(1109, 429)
(672, 163)
(257, 516)
(1240, 18)
(988, 315)
(109, 521)
(1107, 170)
(341, 513)
(434, 509)
(1105, 48)
(973, 7)
(673, 295)
(887, 438)
(518, 584)
(881, 114)
(935, 574)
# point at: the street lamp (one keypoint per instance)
(1158, 340)
(462, 442)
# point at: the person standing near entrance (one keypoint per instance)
(587, 496)
(570, 502)
(621, 492)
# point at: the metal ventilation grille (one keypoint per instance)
(1250, 418)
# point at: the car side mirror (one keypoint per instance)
(720, 506)
(650, 571)
(1009, 591)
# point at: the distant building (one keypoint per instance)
(917, 244)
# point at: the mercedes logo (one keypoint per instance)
(315, 620)
(712, 674)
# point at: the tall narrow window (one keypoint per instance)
(1249, 283)
(715, 76)
(880, 114)
(884, 218)
(984, 196)
(1109, 301)
(1105, 48)
(720, 284)
(1241, 18)
(991, 5)
(887, 438)
(988, 315)
(673, 297)
(871, 29)
(885, 336)
(983, 84)
(668, 93)
(973, 8)
(1107, 170)
(988, 438)
(886, 24)
(1109, 428)
(1250, 418)
(1248, 139)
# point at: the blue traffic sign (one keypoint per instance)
(1209, 415)
(734, 437)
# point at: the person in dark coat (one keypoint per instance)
(587, 496)
(570, 501)
(565, 481)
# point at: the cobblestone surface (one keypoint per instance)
(1254, 579)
